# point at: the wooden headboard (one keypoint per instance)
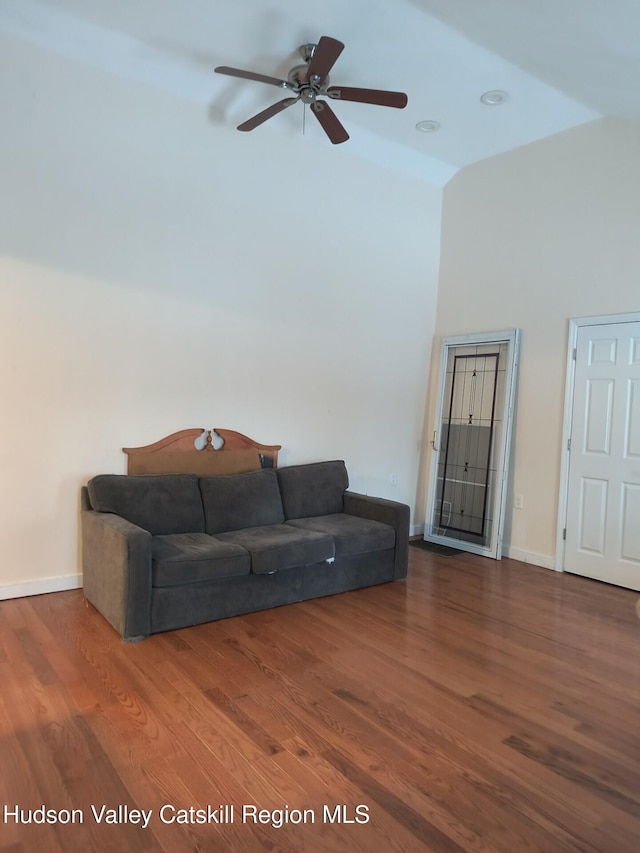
(178, 454)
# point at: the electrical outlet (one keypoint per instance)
(394, 479)
(518, 501)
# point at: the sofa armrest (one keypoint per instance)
(116, 565)
(389, 512)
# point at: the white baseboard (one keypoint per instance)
(20, 590)
(542, 560)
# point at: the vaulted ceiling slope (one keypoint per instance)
(561, 64)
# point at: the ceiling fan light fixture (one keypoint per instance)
(428, 126)
(494, 97)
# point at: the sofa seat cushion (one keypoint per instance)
(279, 546)
(352, 535)
(183, 558)
(159, 503)
(237, 501)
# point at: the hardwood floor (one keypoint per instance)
(478, 706)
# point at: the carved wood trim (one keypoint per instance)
(237, 441)
(177, 453)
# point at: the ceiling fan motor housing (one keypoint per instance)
(298, 78)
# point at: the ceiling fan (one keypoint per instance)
(309, 83)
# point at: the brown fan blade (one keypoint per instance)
(271, 111)
(369, 96)
(329, 121)
(324, 57)
(249, 75)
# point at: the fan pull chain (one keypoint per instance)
(304, 118)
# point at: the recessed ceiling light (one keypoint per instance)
(494, 97)
(428, 126)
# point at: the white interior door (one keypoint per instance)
(602, 533)
(471, 442)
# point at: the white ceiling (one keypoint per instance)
(563, 63)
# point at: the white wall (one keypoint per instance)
(531, 239)
(159, 270)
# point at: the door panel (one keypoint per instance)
(599, 413)
(593, 514)
(603, 494)
(633, 421)
(630, 534)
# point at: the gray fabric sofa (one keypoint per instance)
(166, 551)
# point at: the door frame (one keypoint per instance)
(575, 325)
(512, 338)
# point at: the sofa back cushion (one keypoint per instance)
(241, 500)
(313, 489)
(160, 503)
